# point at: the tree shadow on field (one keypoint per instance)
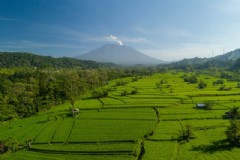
(216, 146)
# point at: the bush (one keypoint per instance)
(209, 105)
(190, 79)
(11, 144)
(202, 85)
(238, 85)
(100, 93)
(224, 88)
(159, 85)
(219, 81)
(226, 75)
(121, 83)
(136, 78)
(124, 93)
(187, 134)
(135, 91)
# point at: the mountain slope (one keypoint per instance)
(228, 60)
(233, 55)
(119, 55)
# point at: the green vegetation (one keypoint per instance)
(202, 85)
(129, 115)
(190, 78)
(233, 133)
(18, 59)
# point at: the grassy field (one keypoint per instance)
(146, 125)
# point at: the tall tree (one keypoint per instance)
(73, 87)
(234, 113)
(233, 133)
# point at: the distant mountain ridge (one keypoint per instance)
(232, 55)
(20, 59)
(226, 60)
(119, 54)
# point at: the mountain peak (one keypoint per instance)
(119, 54)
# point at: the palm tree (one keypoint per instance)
(233, 133)
(187, 133)
(234, 113)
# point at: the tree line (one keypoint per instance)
(27, 91)
(19, 59)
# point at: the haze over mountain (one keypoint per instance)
(119, 54)
(228, 60)
(232, 55)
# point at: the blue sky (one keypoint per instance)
(165, 29)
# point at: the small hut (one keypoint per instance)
(75, 111)
(201, 105)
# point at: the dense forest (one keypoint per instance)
(18, 59)
(30, 83)
(24, 92)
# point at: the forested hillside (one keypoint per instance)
(25, 91)
(18, 59)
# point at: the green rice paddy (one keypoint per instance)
(144, 126)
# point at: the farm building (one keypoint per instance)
(201, 105)
(75, 111)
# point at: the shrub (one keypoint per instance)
(159, 85)
(136, 78)
(219, 81)
(11, 144)
(121, 83)
(100, 93)
(202, 85)
(224, 88)
(135, 91)
(163, 81)
(124, 93)
(187, 134)
(238, 85)
(226, 75)
(209, 105)
(190, 79)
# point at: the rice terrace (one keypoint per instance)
(119, 80)
(148, 124)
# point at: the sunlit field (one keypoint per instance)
(144, 125)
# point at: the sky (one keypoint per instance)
(164, 29)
